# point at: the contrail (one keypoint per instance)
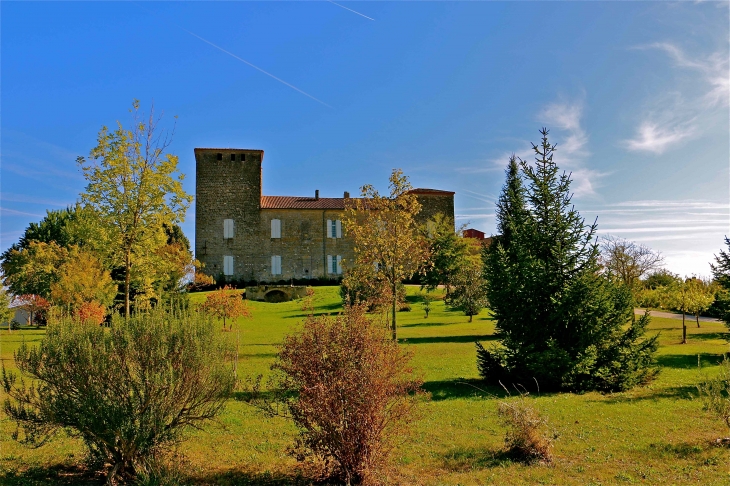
(351, 10)
(257, 68)
(248, 63)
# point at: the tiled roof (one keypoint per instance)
(435, 192)
(294, 202)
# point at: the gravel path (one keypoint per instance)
(672, 315)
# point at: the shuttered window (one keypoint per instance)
(334, 264)
(227, 265)
(276, 265)
(227, 228)
(276, 228)
(334, 228)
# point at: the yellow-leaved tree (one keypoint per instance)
(386, 236)
(134, 189)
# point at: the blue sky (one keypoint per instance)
(636, 95)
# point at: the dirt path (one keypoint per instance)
(672, 315)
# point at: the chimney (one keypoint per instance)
(316, 195)
(347, 195)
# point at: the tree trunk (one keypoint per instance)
(684, 330)
(471, 316)
(698, 319)
(395, 309)
(127, 279)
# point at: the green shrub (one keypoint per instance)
(715, 393)
(129, 391)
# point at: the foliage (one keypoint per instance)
(701, 295)
(628, 261)
(660, 278)
(677, 297)
(53, 228)
(529, 438)
(715, 393)
(6, 313)
(558, 319)
(129, 392)
(80, 279)
(426, 301)
(449, 252)
(32, 270)
(468, 293)
(36, 306)
(385, 235)
(721, 272)
(350, 392)
(90, 312)
(134, 189)
(225, 303)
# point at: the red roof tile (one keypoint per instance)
(294, 202)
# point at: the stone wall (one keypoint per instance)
(228, 186)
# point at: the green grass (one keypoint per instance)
(651, 435)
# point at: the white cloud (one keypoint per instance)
(572, 150)
(651, 137)
(675, 120)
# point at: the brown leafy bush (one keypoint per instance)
(350, 391)
(529, 437)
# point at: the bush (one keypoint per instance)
(528, 438)
(129, 391)
(715, 393)
(351, 392)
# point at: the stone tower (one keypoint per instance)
(227, 207)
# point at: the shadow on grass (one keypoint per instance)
(450, 389)
(319, 310)
(682, 450)
(449, 339)
(673, 392)
(708, 336)
(60, 474)
(427, 323)
(467, 459)
(243, 478)
(688, 361)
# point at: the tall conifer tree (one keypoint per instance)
(559, 320)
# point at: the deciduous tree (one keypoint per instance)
(224, 304)
(701, 295)
(468, 293)
(80, 280)
(134, 189)
(448, 252)
(385, 235)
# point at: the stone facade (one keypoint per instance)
(236, 239)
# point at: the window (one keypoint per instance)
(276, 228)
(430, 228)
(233, 157)
(227, 228)
(276, 265)
(334, 228)
(243, 157)
(334, 264)
(219, 156)
(227, 265)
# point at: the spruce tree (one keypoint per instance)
(559, 320)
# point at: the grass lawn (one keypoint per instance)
(656, 434)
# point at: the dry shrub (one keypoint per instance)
(351, 392)
(529, 438)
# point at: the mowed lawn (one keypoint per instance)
(658, 434)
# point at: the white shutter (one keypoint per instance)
(276, 265)
(227, 265)
(329, 263)
(339, 229)
(339, 266)
(276, 228)
(328, 230)
(227, 228)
